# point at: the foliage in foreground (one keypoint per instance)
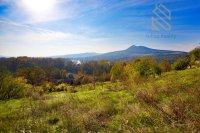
(11, 88)
(168, 104)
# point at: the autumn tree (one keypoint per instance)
(117, 71)
(165, 66)
(11, 87)
(141, 69)
(35, 76)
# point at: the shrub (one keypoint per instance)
(48, 87)
(194, 57)
(13, 87)
(165, 66)
(61, 87)
(39, 90)
(181, 64)
(86, 79)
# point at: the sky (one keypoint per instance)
(58, 27)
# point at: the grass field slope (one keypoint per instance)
(168, 104)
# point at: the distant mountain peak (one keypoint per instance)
(127, 54)
(138, 49)
(134, 47)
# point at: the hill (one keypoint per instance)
(128, 54)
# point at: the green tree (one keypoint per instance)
(35, 76)
(117, 71)
(194, 57)
(146, 67)
(181, 64)
(140, 70)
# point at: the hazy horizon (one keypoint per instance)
(90, 52)
(45, 28)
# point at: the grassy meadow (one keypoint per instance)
(168, 103)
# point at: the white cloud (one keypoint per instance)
(12, 31)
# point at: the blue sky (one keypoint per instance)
(58, 27)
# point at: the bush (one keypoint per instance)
(194, 57)
(11, 88)
(39, 90)
(61, 87)
(86, 79)
(48, 87)
(165, 66)
(181, 64)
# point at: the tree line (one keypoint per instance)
(22, 76)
